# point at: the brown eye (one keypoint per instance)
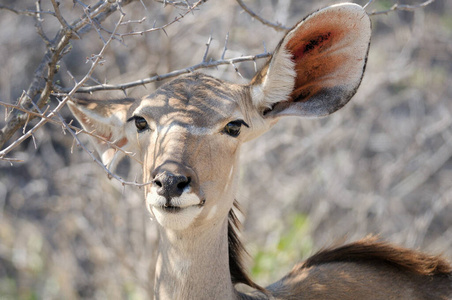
(141, 124)
(233, 128)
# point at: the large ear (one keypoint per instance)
(317, 67)
(106, 119)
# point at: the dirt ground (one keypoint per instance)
(382, 165)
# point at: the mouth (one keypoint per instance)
(173, 209)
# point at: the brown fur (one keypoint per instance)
(236, 251)
(371, 250)
(366, 269)
(367, 262)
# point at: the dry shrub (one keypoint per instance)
(381, 165)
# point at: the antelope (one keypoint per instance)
(188, 134)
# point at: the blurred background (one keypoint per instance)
(382, 165)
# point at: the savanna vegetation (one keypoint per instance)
(382, 165)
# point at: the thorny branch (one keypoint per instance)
(30, 13)
(37, 96)
(95, 159)
(97, 59)
(174, 3)
(66, 125)
(202, 65)
(177, 19)
(405, 7)
(276, 26)
(42, 84)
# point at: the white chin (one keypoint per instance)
(184, 211)
(177, 219)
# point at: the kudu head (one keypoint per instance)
(189, 131)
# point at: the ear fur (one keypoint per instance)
(106, 119)
(317, 67)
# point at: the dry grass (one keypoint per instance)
(381, 165)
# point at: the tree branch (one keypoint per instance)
(277, 26)
(202, 65)
(97, 59)
(177, 19)
(77, 130)
(42, 83)
(405, 7)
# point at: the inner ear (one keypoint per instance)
(318, 65)
(327, 55)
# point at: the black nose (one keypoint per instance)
(172, 179)
(170, 185)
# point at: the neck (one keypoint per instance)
(195, 264)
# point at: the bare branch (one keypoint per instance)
(38, 26)
(65, 126)
(93, 23)
(42, 83)
(134, 21)
(203, 65)
(277, 26)
(177, 19)
(174, 3)
(236, 70)
(209, 41)
(30, 13)
(225, 48)
(405, 7)
(61, 104)
(56, 8)
(95, 159)
(12, 160)
(76, 129)
(367, 4)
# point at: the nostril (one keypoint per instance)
(184, 183)
(170, 185)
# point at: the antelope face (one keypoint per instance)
(188, 133)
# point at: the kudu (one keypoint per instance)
(188, 134)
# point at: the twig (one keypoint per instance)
(225, 48)
(174, 3)
(367, 4)
(134, 21)
(12, 160)
(30, 13)
(209, 41)
(203, 65)
(277, 26)
(95, 25)
(95, 159)
(38, 26)
(42, 84)
(58, 15)
(177, 19)
(405, 7)
(76, 129)
(66, 98)
(236, 69)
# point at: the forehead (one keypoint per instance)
(194, 98)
